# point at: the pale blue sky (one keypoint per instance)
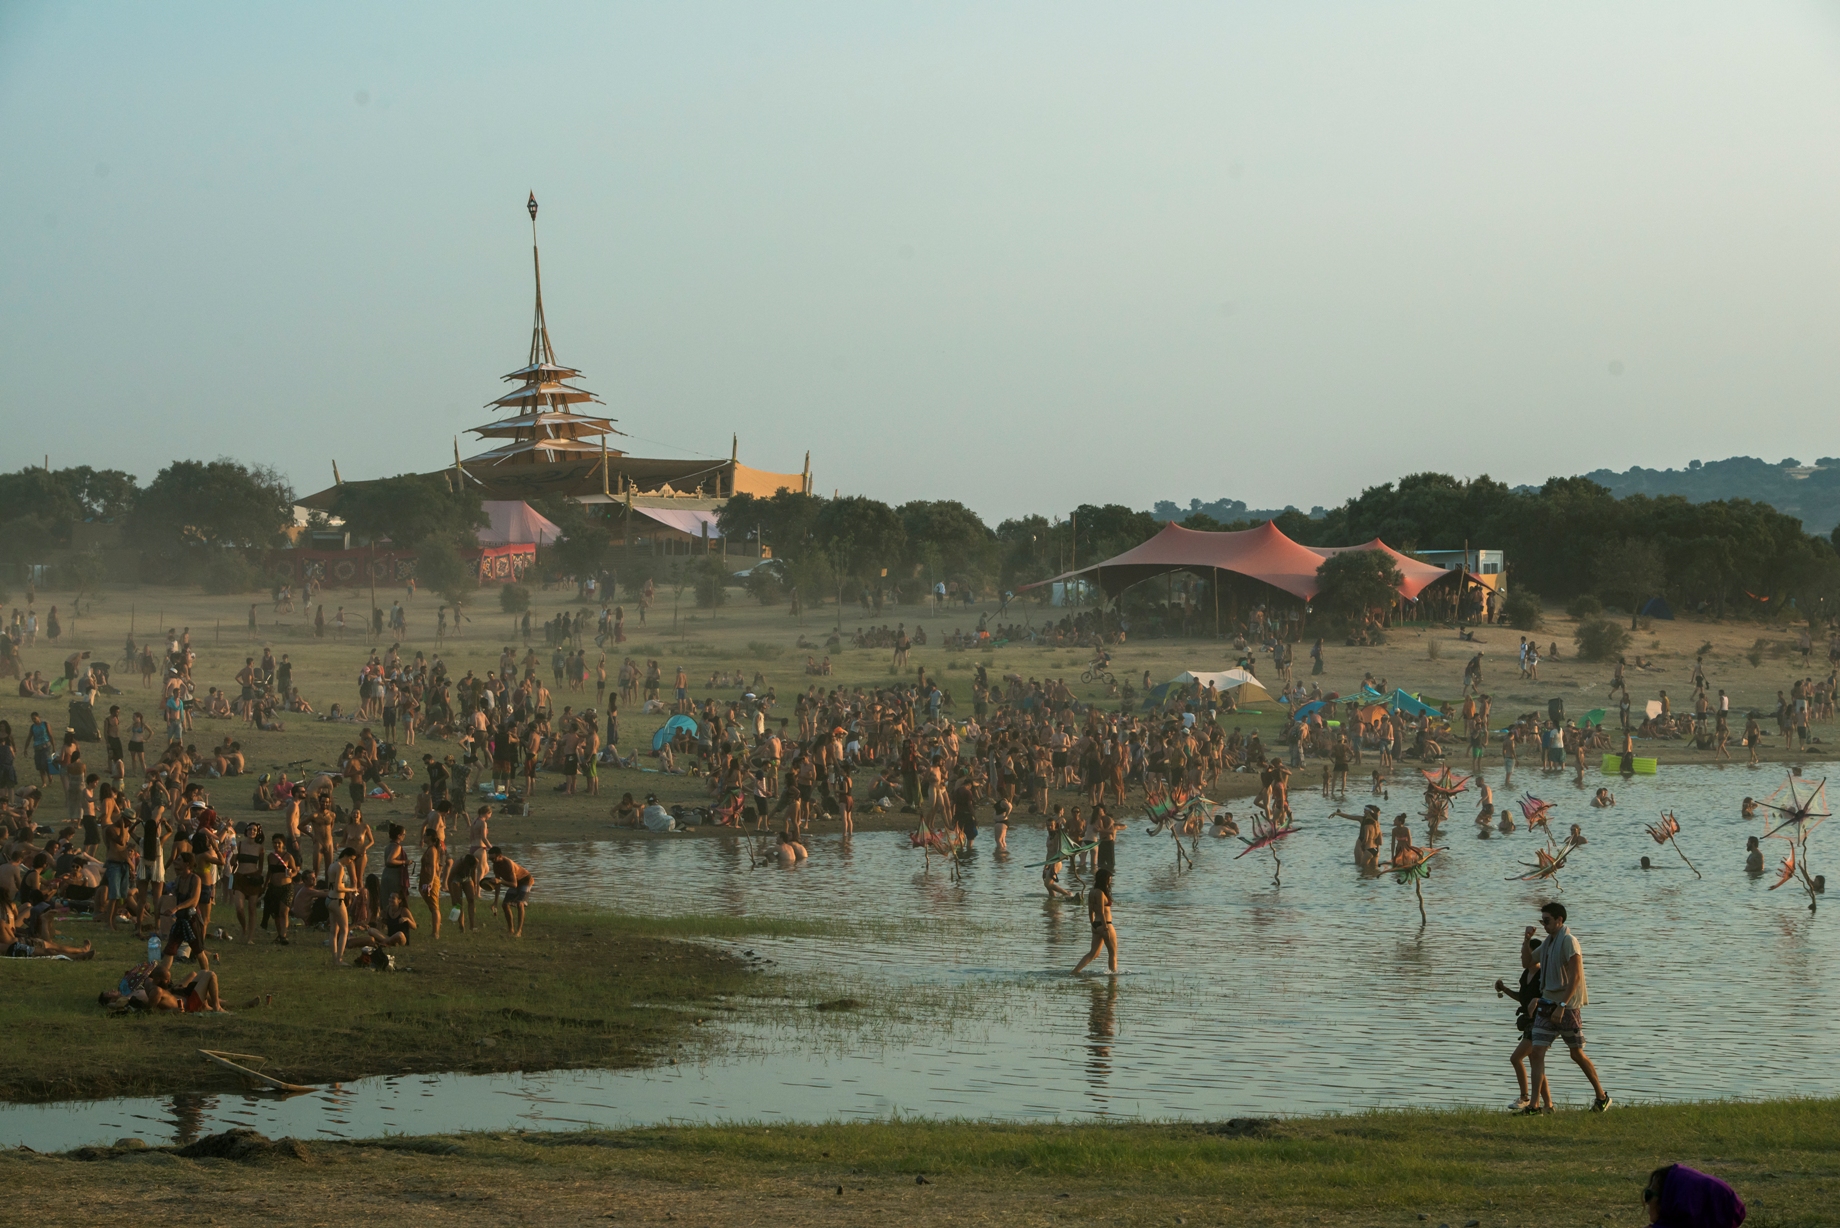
(1021, 255)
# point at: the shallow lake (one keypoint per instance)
(1237, 996)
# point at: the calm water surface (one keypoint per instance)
(1237, 997)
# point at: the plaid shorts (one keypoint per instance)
(1552, 1021)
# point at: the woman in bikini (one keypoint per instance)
(340, 891)
(1104, 935)
(247, 879)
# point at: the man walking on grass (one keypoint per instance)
(1559, 1012)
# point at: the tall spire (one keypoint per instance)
(545, 430)
(540, 351)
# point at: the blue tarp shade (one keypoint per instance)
(1658, 607)
(669, 729)
(1405, 703)
(1303, 712)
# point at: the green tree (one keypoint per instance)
(1522, 609)
(82, 572)
(221, 503)
(438, 566)
(711, 582)
(1354, 583)
(411, 509)
(1630, 570)
(1599, 639)
(862, 535)
(63, 495)
(947, 537)
(783, 523)
(513, 598)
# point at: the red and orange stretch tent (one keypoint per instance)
(1265, 554)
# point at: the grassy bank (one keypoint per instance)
(581, 989)
(1384, 1168)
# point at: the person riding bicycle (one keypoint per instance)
(1103, 660)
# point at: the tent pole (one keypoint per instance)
(1214, 583)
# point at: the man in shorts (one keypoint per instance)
(515, 881)
(1558, 1015)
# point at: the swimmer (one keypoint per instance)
(1507, 823)
(790, 851)
(1576, 839)
(1604, 799)
(1224, 825)
(1750, 809)
(1486, 815)
(1753, 855)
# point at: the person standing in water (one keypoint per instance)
(1051, 869)
(1104, 934)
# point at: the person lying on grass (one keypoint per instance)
(16, 943)
(156, 992)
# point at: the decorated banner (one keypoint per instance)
(391, 568)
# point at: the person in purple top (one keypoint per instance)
(1681, 1197)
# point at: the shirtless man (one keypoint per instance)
(360, 839)
(463, 889)
(324, 824)
(515, 881)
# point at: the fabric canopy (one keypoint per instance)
(1410, 704)
(685, 520)
(1264, 554)
(1415, 575)
(516, 524)
(669, 729)
(1225, 680)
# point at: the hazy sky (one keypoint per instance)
(1021, 255)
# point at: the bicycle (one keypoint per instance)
(1098, 673)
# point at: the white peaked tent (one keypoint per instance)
(515, 523)
(1225, 680)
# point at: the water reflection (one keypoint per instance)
(1101, 1027)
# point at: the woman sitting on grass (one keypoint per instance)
(398, 924)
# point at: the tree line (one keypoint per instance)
(1570, 537)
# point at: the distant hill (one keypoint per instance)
(1811, 492)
